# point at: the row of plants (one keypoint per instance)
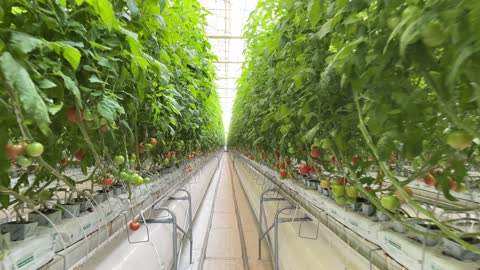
(121, 86)
(348, 88)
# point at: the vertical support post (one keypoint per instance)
(174, 237)
(276, 255)
(260, 220)
(260, 229)
(190, 220)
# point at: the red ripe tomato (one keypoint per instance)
(252, 157)
(355, 161)
(168, 155)
(107, 181)
(281, 165)
(453, 184)
(153, 141)
(283, 173)
(141, 158)
(277, 155)
(303, 169)
(342, 181)
(79, 155)
(315, 152)
(189, 169)
(72, 115)
(134, 225)
(430, 180)
(288, 161)
(311, 168)
(334, 160)
(14, 150)
(141, 148)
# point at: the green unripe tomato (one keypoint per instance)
(148, 147)
(434, 35)
(118, 160)
(23, 161)
(124, 176)
(44, 195)
(34, 149)
(131, 162)
(459, 140)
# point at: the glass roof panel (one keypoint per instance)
(226, 21)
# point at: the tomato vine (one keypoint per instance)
(371, 84)
(93, 80)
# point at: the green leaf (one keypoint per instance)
(133, 7)
(72, 86)
(25, 43)
(79, 2)
(99, 46)
(162, 4)
(161, 21)
(445, 186)
(284, 111)
(95, 79)
(459, 170)
(173, 104)
(326, 28)
(315, 11)
(55, 108)
(19, 80)
(109, 108)
(23, 180)
(409, 36)
(308, 137)
(105, 10)
(367, 180)
(46, 84)
(72, 55)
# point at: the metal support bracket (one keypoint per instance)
(274, 226)
(173, 220)
(128, 231)
(189, 233)
(277, 221)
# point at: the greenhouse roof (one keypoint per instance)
(225, 31)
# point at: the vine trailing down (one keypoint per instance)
(117, 85)
(350, 87)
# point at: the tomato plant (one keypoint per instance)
(370, 85)
(105, 77)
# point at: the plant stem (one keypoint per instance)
(398, 185)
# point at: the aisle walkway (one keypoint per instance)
(216, 231)
(232, 240)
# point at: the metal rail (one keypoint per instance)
(296, 199)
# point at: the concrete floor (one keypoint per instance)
(231, 245)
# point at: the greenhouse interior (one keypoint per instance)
(240, 134)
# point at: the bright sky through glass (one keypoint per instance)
(225, 31)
